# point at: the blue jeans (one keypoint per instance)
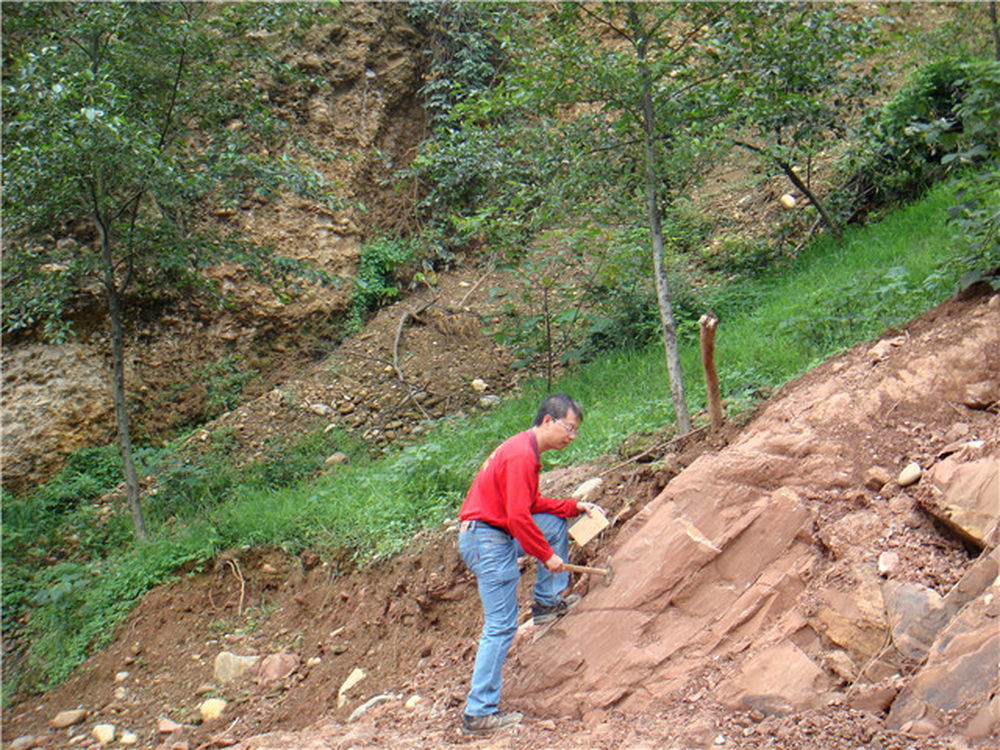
(491, 554)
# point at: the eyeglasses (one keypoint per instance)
(570, 430)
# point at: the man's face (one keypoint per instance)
(563, 430)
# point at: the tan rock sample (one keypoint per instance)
(854, 619)
(212, 709)
(104, 733)
(230, 667)
(167, 726)
(910, 474)
(68, 718)
(982, 395)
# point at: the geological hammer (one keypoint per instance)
(607, 572)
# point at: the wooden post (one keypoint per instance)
(708, 323)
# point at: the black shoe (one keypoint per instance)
(490, 722)
(541, 614)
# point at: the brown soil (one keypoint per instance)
(412, 622)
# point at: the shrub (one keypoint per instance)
(376, 279)
(903, 145)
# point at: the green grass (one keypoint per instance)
(773, 327)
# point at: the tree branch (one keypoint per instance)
(795, 179)
(620, 32)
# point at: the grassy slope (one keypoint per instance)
(772, 328)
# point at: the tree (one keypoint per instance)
(120, 121)
(620, 98)
(613, 106)
(800, 84)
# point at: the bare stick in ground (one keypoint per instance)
(708, 323)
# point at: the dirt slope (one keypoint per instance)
(411, 624)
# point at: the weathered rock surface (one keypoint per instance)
(967, 498)
(725, 558)
(360, 103)
(960, 675)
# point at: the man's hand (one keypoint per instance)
(589, 508)
(554, 564)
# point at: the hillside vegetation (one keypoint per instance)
(596, 277)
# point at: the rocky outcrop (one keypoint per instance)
(724, 567)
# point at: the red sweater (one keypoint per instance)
(505, 494)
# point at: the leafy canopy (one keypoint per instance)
(120, 121)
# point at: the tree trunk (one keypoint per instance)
(708, 324)
(118, 386)
(662, 286)
(996, 30)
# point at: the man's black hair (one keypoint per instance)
(557, 406)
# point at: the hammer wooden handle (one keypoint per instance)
(585, 569)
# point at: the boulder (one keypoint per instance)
(876, 478)
(357, 675)
(68, 718)
(104, 733)
(962, 672)
(910, 474)
(780, 677)
(982, 395)
(875, 697)
(916, 615)
(230, 667)
(966, 498)
(277, 667)
(167, 726)
(212, 709)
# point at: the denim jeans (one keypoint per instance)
(491, 554)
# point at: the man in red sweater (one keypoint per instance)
(502, 518)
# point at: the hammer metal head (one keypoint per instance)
(609, 573)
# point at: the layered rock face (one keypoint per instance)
(788, 575)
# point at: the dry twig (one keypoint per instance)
(235, 567)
